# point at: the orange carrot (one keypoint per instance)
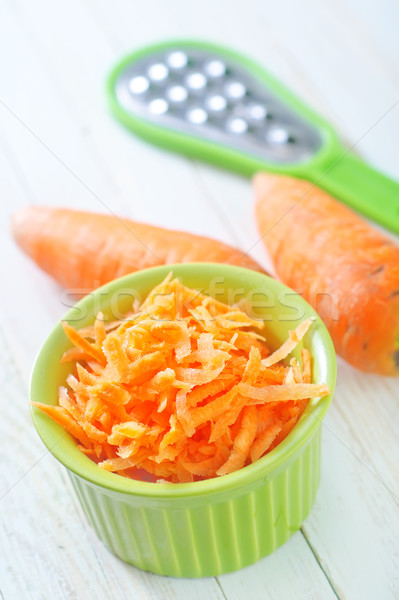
(61, 416)
(346, 269)
(243, 442)
(156, 411)
(85, 250)
(82, 343)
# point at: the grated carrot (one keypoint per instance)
(183, 388)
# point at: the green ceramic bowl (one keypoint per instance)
(208, 527)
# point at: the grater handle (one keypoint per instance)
(363, 188)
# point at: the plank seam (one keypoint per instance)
(221, 588)
(318, 560)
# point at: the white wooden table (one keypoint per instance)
(60, 146)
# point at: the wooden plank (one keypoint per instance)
(290, 572)
(354, 527)
(367, 423)
(374, 25)
(31, 303)
(98, 150)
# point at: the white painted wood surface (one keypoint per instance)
(60, 146)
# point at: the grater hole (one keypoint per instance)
(177, 93)
(197, 116)
(139, 84)
(258, 112)
(215, 69)
(177, 60)
(196, 81)
(159, 106)
(216, 103)
(236, 126)
(235, 90)
(158, 72)
(277, 135)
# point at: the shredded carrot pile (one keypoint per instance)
(182, 389)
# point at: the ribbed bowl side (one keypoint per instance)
(205, 538)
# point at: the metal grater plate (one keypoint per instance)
(198, 93)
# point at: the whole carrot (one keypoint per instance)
(346, 269)
(84, 250)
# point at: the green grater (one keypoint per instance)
(211, 103)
